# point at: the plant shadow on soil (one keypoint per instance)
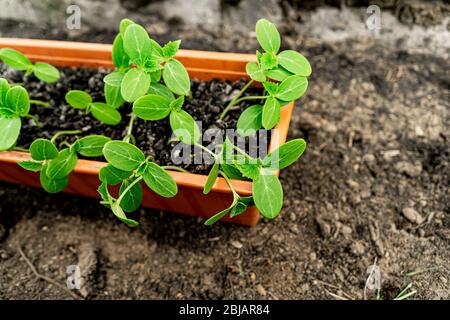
(373, 183)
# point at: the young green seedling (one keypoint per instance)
(55, 166)
(14, 105)
(288, 69)
(16, 60)
(140, 62)
(159, 106)
(267, 192)
(103, 112)
(128, 166)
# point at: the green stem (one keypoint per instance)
(230, 185)
(65, 143)
(129, 136)
(35, 120)
(251, 98)
(234, 101)
(137, 180)
(206, 149)
(39, 103)
(61, 133)
(224, 212)
(175, 168)
(20, 149)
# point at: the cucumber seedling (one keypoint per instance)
(267, 192)
(140, 61)
(16, 60)
(283, 75)
(14, 106)
(55, 166)
(128, 166)
(101, 111)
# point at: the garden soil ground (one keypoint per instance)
(374, 185)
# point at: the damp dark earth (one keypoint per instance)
(372, 187)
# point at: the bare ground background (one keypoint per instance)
(373, 184)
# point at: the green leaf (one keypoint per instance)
(105, 114)
(242, 204)
(113, 96)
(155, 76)
(136, 43)
(295, 62)
(157, 179)
(118, 212)
(15, 59)
(132, 200)
(292, 88)
(141, 169)
(285, 155)
(17, 99)
(184, 127)
(250, 121)
(114, 79)
(248, 170)
(104, 193)
(92, 146)
(268, 194)
(31, 165)
(119, 57)
(277, 74)
(52, 185)
(161, 90)
(228, 156)
(270, 113)
(62, 165)
(222, 213)
(123, 155)
(45, 72)
(255, 72)
(271, 87)
(177, 104)
(124, 24)
(231, 171)
(157, 51)
(268, 61)
(268, 36)
(112, 176)
(43, 149)
(171, 48)
(4, 87)
(9, 132)
(78, 99)
(176, 77)
(212, 177)
(151, 107)
(135, 84)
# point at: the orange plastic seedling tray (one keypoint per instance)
(84, 181)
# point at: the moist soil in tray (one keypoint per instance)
(209, 98)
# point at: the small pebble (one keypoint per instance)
(261, 290)
(412, 215)
(236, 244)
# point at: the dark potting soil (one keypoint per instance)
(208, 100)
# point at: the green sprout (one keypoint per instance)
(55, 166)
(128, 166)
(103, 112)
(283, 75)
(16, 60)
